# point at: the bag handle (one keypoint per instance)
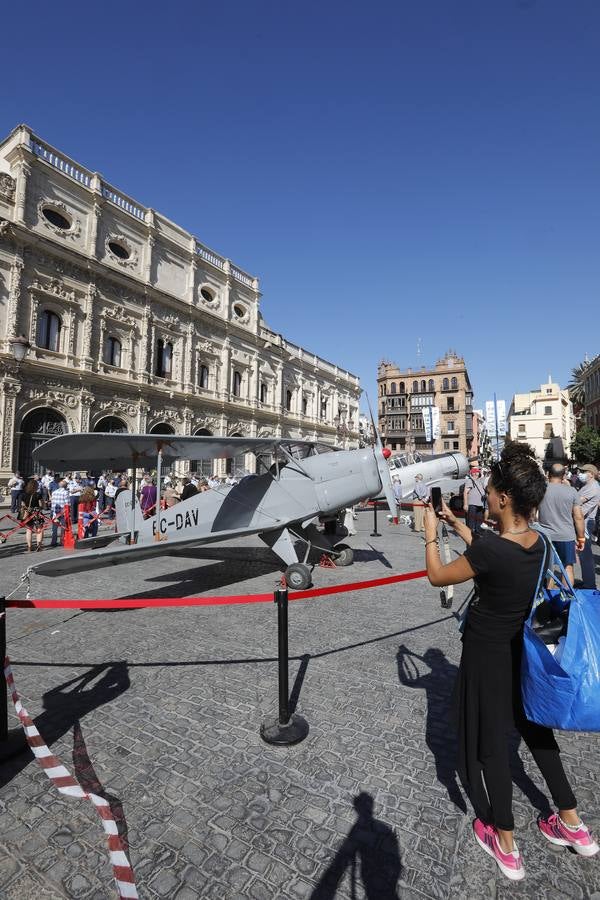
(551, 556)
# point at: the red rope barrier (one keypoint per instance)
(229, 600)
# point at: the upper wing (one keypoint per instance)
(124, 451)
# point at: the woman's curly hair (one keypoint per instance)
(519, 475)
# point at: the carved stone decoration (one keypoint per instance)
(241, 427)
(73, 232)
(125, 407)
(116, 313)
(131, 261)
(7, 187)
(206, 422)
(53, 286)
(207, 347)
(10, 391)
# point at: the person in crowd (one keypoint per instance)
(87, 506)
(561, 519)
(109, 497)
(214, 483)
(189, 489)
(101, 486)
(59, 498)
(51, 488)
(45, 482)
(122, 485)
(147, 496)
(421, 497)
(194, 479)
(31, 514)
(506, 568)
(588, 499)
(170, 495)
(15, 486)
(75, 489)
(474, 500)
(203, 486)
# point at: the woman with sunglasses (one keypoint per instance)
(505, 567)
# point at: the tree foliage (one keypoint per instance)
(586, 445)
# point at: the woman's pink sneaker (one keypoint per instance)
(580, 839)
(510, 864)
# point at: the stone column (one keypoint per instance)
(92, 241)
(226, 369)
(149, 247)
(278, 400)
(191, 278)
(90, 300)
(188, 358)
(253, 394)
(85, 405)
(10, 389)
(143, 408)
(23, 171)
(14, 296)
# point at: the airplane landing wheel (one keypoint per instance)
(298, 576)
(344, 555)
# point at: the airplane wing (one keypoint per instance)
(122, 451)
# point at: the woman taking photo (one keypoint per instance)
(506, 568)
(31, 515)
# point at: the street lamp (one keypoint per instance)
(20, 347)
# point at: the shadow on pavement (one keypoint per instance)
(64, 708)
(438, 684)
(369, 853)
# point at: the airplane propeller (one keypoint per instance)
(382, 454)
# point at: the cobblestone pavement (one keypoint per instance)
(160, 710)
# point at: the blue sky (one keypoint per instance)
(391, 171)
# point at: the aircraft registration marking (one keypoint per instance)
(189, 519)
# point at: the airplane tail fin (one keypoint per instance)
(126, 519)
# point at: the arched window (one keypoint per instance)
(203, 377)
(415, 387)
(237, 384)
(204, 467)
(445, 384)
(423, 385)
(402, 388)
(431, 385)
(112, 351)
(323, 408)
(454, 384)
(49, 331)
(288, 400)
(264, 393)
(162, 428)
(111, 425)
(164, 359)
(393, 387)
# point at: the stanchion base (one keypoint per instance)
(294, 731)
(15, 743)
(375, 534)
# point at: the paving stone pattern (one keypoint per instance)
(160, 710)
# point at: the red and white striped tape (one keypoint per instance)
(66, 784)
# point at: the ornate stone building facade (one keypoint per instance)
(137, 326)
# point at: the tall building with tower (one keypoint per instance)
(426, 410)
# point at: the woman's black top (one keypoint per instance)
(506, 576)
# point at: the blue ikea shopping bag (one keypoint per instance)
(563, 694)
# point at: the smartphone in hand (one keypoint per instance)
(436, 500)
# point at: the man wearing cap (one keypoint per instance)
(474, 500)
(588, 499)
(561, 518)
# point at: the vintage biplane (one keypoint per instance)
(282, 503)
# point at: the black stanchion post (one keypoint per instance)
(286, 729)
(12, 740)
(375, 533)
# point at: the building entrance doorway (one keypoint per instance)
(38, 427)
